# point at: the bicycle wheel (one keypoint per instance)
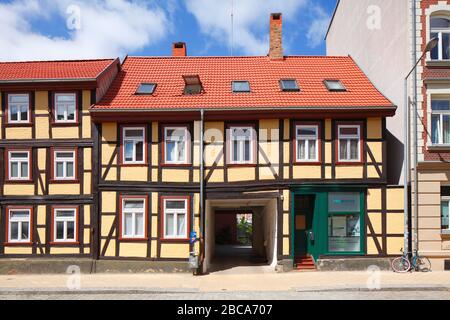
(400, 265)
(423, 264)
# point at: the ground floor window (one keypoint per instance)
(175, 218)
(65, 224)
(133, 218)
(19, 225)
(344, 222)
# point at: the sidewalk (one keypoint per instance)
(219, 282)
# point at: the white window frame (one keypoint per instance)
(11, 104)
(64, 161)
(186, 146)
(66, 106)
(349, 137)
(441, 114)
(176, 213)
(241, 145)
(439, 33)
(135, 141)
(20, 221)
(65, 220)
(20, 161)
(133, 213)
(308, 139)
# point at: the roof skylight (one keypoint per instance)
(146, 88)
(289, 85)
(334, 85)
(241, 86)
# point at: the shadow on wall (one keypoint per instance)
(395, 149)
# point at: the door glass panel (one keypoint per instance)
(343, 202)
(344, 233)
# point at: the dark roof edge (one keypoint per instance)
(332, 19)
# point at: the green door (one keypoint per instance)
(305, 207)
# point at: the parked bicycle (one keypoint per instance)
(414, 262)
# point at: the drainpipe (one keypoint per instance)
(406, 168)
(416, 176)
(202, 190)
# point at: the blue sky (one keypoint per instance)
(78, 29)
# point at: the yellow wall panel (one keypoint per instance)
(394, 199)
(87, 214)
(174, 250)
(349, 172)
(328, 152)
(154, 174)
(107, 222)
(133, 173)
(328, 173)
(86, 100)
(241, 174)
(155, 155)
(18, 133)
(286, 199)
(86, 130)
(107, 152)
(87, 158)
(286, 152)
(137, 250)
(87, 185)
(286, 227)
(110, 250)
(65, 132)
(154, 227)
(112, 174)
(212, 154)
(286, 246)
(58, 250)
(307, 172)
(394, 245)
(169, 175)
(395, 223)
(42, 128)
(41, 233)
(267, 173)
(287, 128)
(41, 212)
(108, 201)
(67, 189)
(109, 132)
(154, 251)
(375, 220)
(374, 199)
(155, 202)
(155, 132)
(270, 150)
(41, 102)
(371, 246)
(18, 250)
(377, 151)
(18, 189)
(214, 132)
(374, 128)
(42, 153)
(372, 172)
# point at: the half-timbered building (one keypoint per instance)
(298, 142)
(46, 160)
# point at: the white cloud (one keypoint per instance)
(109, 28)
(318, 27)
(251, 18)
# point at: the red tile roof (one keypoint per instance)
(217, 73)
(53, 70)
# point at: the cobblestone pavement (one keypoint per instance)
(271, 295)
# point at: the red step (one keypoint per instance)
(305, 263)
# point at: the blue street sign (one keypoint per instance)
(193, 236)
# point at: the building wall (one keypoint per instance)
(376, 34)
(42, 193)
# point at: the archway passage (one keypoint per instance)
(241, 235)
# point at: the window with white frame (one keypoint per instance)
(65, 225)
(176, 145)
(19, 165)
(349, 139)
(19, 225)
(133, 218)
(18, 108)
(440, 121)
(241, 145)
(440, 28)
(64, 165)
(445, 203)
(133, 145)
(65, 107)
(307, 143)
(175, 218)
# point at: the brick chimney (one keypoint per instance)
(179, 49)
(276, 37)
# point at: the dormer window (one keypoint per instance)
(146, 88)
(334, 85)
(241, 86)
(193, 85)
(289, 85)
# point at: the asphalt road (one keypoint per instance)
(274, 295)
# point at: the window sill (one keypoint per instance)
(442, 147)
(437, 63)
